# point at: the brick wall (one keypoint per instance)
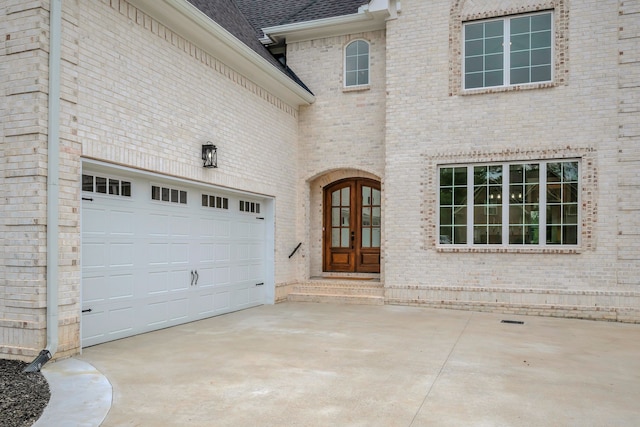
(430, 123)
(23, 178)
(134, 94)
(341, 134)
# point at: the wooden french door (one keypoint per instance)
(352, 223)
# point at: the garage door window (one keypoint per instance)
(211, 201)
(106, 185)
(251, 207)
(171, 195)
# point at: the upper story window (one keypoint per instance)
(508, 51)
(356, 69)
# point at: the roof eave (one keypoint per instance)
(370, 17)
(192, 24)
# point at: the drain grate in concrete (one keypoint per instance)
(514, 322)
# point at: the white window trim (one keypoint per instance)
(506, 65)
(345, 87)
(542, 202)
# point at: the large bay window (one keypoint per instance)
(509, 204)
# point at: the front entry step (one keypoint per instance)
(339, 291)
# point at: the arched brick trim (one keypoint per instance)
(469, 10)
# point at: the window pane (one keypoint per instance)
(474, 64)
(366, 217)
(352, 78)
(446, 216)
(335, 237)
(335, 198)
(541, 74)
(165, 194)
(352, 49)
(474, 48)
(570, 193)
(363, 77)
(446, 196)
(183, 197)
(363, 62)
(480, 196)
(155, 192)
(460, 196)
(519, 76)
(472, 81)
(493, 45)
(519, 59)
(335, 217)
(351, 63)
(87, 183)
(460, 235)
(541, 22)
(344, 217)
(460, 176)
(493, 78)
(473, 31)
(554, 172)
(174, 196)
(520, 25)
(570, 235)
(366, 196)
(126, 188)
(377, 200)
(494, 28)
(446, 177)
(460, 215)
(493, 62)
(205, 200)
(366, 237)
(539, 40)
(344, 240)
(541, 56)
(570, 171)
(346, 196)
(101, 185)
(446, 235)
(375, 238)
(375, 217)
(520, 42)
(114, 187)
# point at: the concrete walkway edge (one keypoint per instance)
(80, 395)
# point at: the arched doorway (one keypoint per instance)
(352, 221)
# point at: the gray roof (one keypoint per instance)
(227, 14)
(269, 13)
(246, 18)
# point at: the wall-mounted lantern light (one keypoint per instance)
(209, 155)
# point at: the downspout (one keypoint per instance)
(53, 174)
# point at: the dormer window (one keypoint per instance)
(356, 70)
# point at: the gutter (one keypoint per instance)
(53, 174)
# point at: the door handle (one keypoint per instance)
(192, 277)
(353, 238)
(197, 277)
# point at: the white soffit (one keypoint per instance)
(186, 20)
(370, 17)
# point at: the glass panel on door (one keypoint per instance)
(340, 217)
(370, 221)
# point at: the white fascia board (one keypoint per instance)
(370, 17)
(189, 22)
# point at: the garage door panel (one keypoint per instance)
(158, 282)
(94, 220)
(179, 253)
(121, 222)
(149, 264)
(180, 280)
(121, 286)
(121, 254)
(94, 255)
(158, 225)
(94, 289)
(158, 253)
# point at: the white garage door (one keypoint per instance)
(159, 253)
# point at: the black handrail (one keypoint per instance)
(296, 249)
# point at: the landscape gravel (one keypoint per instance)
(23, 396)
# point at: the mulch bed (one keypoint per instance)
(23, 396)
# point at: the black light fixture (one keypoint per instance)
(209, 155)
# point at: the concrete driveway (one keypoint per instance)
(306, 364)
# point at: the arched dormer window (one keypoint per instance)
(356, 68)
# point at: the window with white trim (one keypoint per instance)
(508, 51)
(510, 204)
(356, 64)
